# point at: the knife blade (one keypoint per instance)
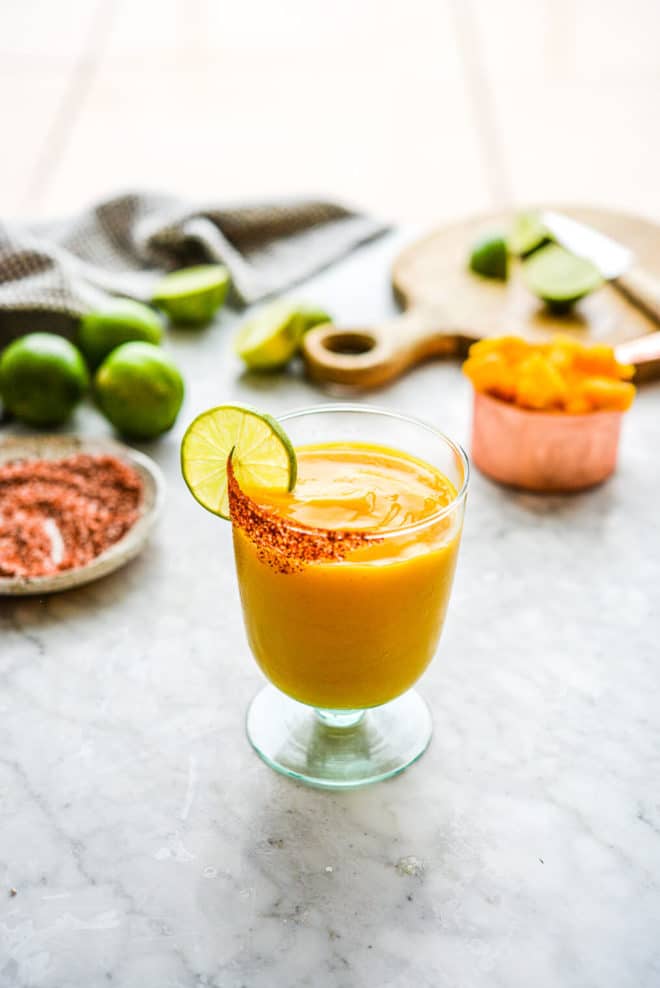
(615, 262)
(610, 257)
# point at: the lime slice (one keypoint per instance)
(192, 295)
(559, 277)
(262, 455)
(527, 234)
(489, 257)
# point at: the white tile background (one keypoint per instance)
(422, 110)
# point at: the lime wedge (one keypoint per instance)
(559, 277)
(193, 295)
(270, 338)
(312, 316)
(262, 455)
(489, 257)
(527, 234)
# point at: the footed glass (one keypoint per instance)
(344, 617)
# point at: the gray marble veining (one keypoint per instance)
(149, 847)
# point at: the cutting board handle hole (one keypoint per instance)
(349, 343)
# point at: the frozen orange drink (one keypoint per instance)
(352, 629)
(346, 524)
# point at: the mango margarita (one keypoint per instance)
(354, 626)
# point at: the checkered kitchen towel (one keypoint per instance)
(52, 273)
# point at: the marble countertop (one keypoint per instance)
(149, 847)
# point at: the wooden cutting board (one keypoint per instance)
(448, 307)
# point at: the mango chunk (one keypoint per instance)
(563, 375)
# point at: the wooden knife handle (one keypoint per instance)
(644, 353)
(370, 357)
(643, 289)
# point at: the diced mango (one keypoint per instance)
(604, 393)
(578, 405)
(563, 375)
(511, 347)
(492, 374)
(539, 384)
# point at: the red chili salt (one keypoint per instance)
(285, 547)
(91, 500)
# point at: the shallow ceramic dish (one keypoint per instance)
(57, 447)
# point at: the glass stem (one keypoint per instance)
(340, 718)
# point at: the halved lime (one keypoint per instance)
(193, 295)
(312, 316)
(262, 455)
(559, 277)
(527, 234)
(269, 339)
(489, 257)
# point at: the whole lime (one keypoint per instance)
(139, 389)
(122, 320)
(42, 378)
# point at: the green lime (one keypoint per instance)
(527, 234)
(559, 277)
(262, 455)
(139, 389)
(269, 339)
(192, 295)
(312, 316)
(121, 321)
(42, 378)
(489, 257)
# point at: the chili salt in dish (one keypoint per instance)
(100, 500)
(547, 418)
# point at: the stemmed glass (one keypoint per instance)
(343, 629)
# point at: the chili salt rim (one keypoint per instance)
(288, 548)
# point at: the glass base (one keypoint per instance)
(338, 749)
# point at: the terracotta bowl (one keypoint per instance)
(548, 452)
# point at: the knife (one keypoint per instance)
(615, 262)
(617, 265)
